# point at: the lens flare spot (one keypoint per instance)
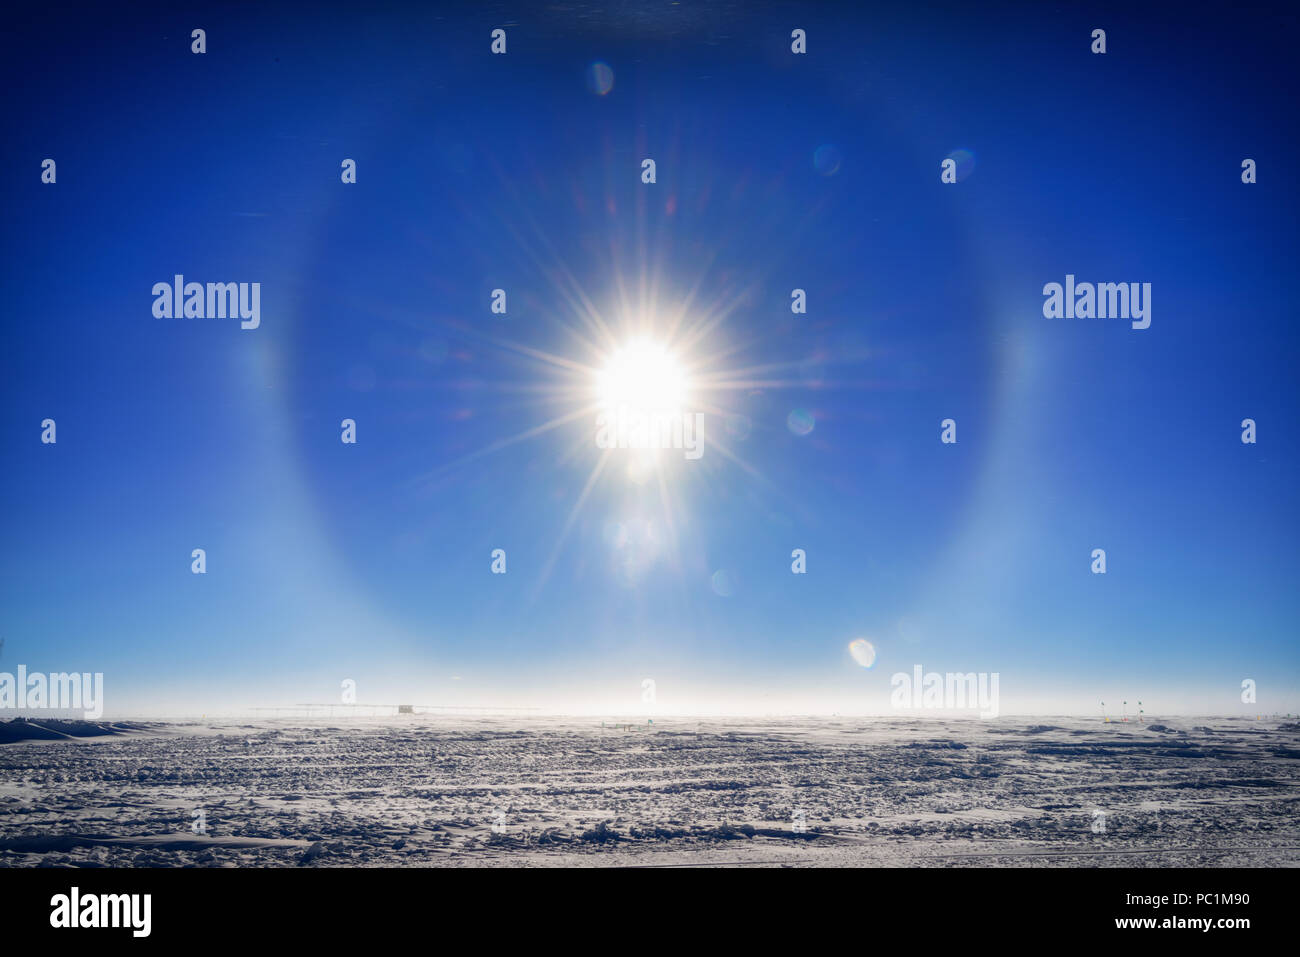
(965, 160)
(800, 422)
(827, 159)
(636, 546)
(863, 652)
(600, 78)
(724, 583)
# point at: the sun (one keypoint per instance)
(642, 376)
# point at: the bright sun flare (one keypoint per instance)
(642, 376)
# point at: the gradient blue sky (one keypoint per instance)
(475, 171)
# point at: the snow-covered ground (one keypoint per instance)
(491, 791)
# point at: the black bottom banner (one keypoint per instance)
(319, 906)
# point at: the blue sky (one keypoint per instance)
(372, 561)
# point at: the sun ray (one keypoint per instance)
(568, 524)
(635, 344)
(496, 446)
